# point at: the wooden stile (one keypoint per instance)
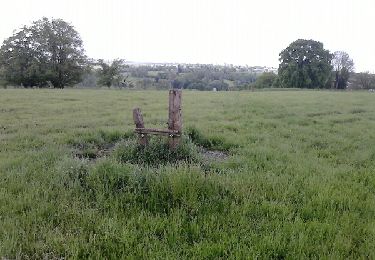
(174, 122)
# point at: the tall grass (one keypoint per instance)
(299, 181)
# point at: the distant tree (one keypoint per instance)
(110, 74)
(89, 79)
(178, 83)
(198, 85)
(140, 72)
(343, 65)
(218, 84)
(364, 80)
(179, 69)
(162, 75)
(305, 64)
(145, 83)
(47, 52)
(163, 84)
(192, 76)
(265, 80)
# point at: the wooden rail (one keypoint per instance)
(154, 131)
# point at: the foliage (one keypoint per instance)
(2, 79)
(305, 64)
(190, 76)
(89, 79)
(110, 74)
(266, 80)
(363, 80)
(49, 52)
(343, 65)
(218, 85)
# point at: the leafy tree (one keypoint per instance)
(2, 80)
(218, 84)
(305, 64)
(18, 59)
(265, 80)
(110, 74)
(276, 82)
(363, 80)
(199, 85)
(178, 83)
(48, 51)
(343, 65)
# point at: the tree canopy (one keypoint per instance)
(110, 74)
(266, 80)
(363, 80)
(49, 52)
(343, 65)
(305, 64)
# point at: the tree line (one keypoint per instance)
(50, 53)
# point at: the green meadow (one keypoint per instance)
(295, 179)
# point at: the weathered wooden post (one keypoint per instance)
(175, 117)
(138, 121)
(174, 130)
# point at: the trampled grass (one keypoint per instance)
(299, 181)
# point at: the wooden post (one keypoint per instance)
(175, 117)
(138, 121)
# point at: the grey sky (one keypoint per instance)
(206, 31)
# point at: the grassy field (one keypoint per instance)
(299, 180)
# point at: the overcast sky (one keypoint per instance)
(206, 31)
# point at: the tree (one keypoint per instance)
(218, 85)
(18, 59)
(265, 80)
(110, 74)
(178, 83)
(343, 65)
(48, 51)
(305, 64)
(364, 80)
